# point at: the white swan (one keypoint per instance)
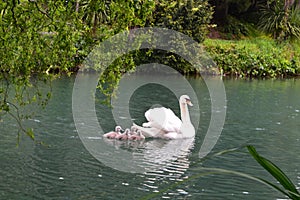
(163, 123)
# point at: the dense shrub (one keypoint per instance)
(254, 57)
(281, 21)
(189, 17)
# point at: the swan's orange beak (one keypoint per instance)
(189, 102)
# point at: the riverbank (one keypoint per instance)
(255, 57)
(252, 57)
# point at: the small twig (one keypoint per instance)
(41, 11)
(17, 118)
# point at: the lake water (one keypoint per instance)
(264, 113)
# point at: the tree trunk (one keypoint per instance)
(221, 11)
(288, 4)
(298, 5)
(77, 6)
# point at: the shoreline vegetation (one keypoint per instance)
(258, 57)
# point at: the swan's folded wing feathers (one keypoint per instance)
(163, 118)
(153, 113)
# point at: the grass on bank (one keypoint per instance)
(255, 57)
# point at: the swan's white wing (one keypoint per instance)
(163, 118)
(173, 123)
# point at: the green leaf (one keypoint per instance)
(276, 173)
(30, 133)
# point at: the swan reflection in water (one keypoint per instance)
(157, 154)
(162, 160)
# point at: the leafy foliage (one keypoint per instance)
(234, 29)
(191, 18)
(43, 39)
(37, 39)
(254, 58)
(281, 21)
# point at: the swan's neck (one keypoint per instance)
(185, 116)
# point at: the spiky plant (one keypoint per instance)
(281, 21)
